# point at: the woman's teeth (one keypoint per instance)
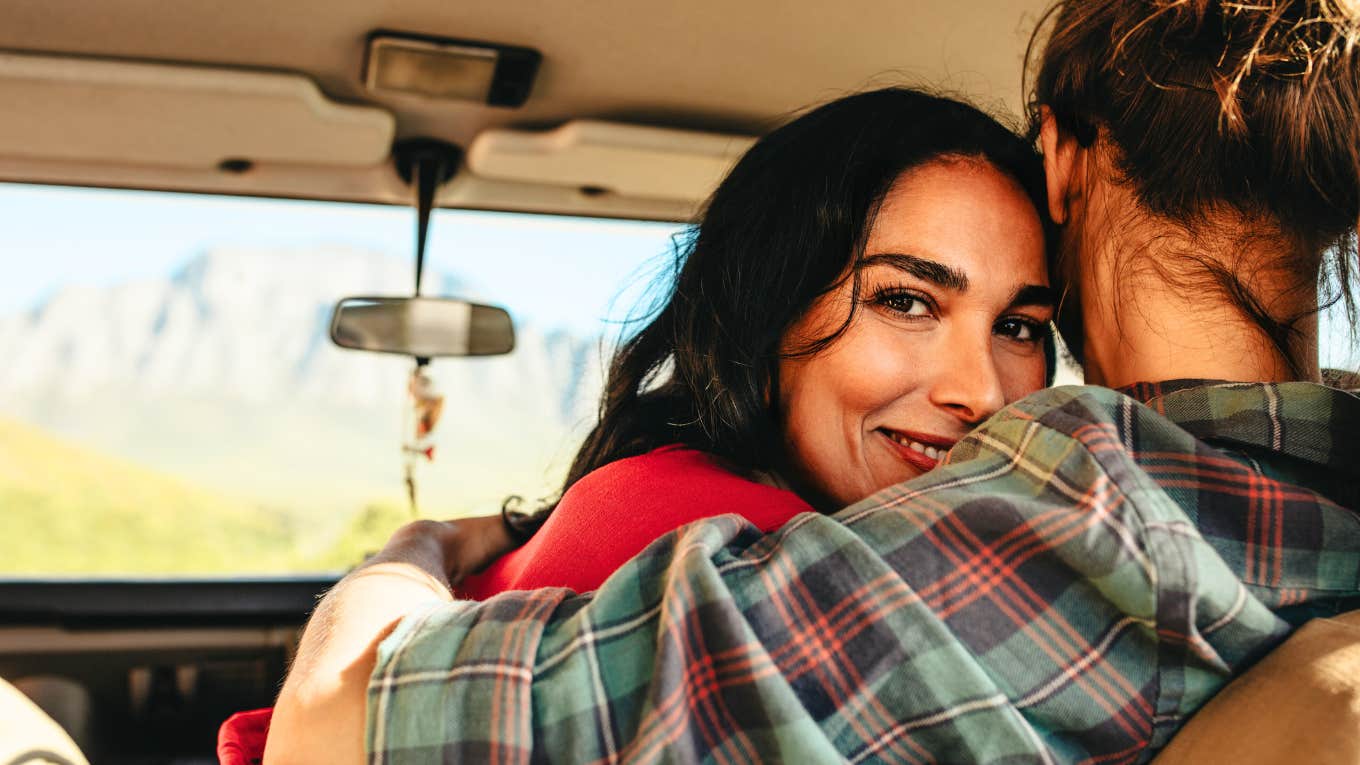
(915, 446)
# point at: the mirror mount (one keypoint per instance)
(443, 156)
(427, 164)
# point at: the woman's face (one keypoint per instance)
(954, 301)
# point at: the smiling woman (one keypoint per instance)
(872, 272)
(948, 335)
(867, 285)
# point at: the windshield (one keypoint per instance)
(171, 404)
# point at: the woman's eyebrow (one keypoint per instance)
(922, 268)
(1035, 295)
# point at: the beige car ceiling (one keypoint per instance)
(712, 73)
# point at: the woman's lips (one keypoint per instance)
(920, 450)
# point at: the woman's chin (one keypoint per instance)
(906, 473)
(892, 473)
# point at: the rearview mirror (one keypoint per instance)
(422, 327)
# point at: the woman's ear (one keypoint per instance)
(1060, 149)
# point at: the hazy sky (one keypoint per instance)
(550, 271)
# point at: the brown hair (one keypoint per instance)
(1252, 106)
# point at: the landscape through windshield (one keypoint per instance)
(172, 404)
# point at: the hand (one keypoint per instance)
(455, 549)
(474, 544)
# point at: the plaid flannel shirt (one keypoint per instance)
(1082, 575)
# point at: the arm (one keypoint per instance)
(1038, 598)
(319, 716)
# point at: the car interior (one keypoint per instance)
(550, 115)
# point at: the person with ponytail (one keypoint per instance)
(1085, 570)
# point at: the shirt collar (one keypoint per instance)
(1307, 421)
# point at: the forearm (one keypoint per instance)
(319, 716)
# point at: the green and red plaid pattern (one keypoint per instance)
(1083, 574)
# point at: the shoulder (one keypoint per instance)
(1073, 426)
(1070, 453)
(1072, 415)
(667, 468)
(673, 485)
(656, 462)
(1069, 409)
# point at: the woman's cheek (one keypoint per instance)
(1023, 375)
(888, 363)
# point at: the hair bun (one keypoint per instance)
(1290, 38)
(1244, 39)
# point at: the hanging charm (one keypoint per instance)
(425, 405)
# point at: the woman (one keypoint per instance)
(866, 285)
(1088, 569)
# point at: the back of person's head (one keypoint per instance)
(781, 230)
(1210, 107)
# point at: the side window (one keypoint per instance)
(1338, 347)
(170, 402)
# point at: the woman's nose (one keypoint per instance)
(967, 383)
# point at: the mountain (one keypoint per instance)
(223, 375)
(247, 324)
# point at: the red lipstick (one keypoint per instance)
(901, 442)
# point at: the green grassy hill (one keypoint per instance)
(66, 509)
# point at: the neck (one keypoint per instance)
(1146, 322)
(1186, 344)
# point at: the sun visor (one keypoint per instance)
(97, 111)
(610, 158)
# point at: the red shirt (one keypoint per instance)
(240, 740)
(602, 521)
(608, 516)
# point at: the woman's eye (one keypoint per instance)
(1020, 329)
(905, 303)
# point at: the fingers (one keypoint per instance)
(425, 529)
(458, 547)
